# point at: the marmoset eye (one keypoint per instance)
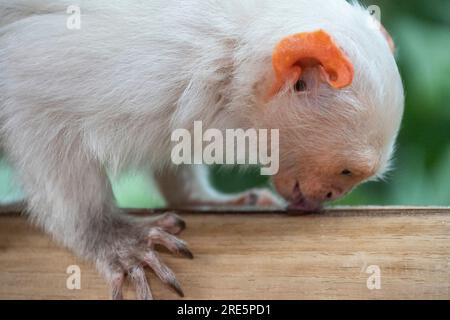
(346, 172)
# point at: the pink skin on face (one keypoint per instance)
(307, 187)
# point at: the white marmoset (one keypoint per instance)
(77, 103)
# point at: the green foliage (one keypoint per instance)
(9, 192)
(136, 191)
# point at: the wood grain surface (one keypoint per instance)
(259, 256)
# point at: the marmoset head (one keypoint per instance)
(336, 95)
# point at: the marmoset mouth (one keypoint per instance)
(301, 203)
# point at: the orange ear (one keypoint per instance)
(296, 52)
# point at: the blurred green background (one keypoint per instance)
(421, 175)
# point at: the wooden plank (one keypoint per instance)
(260, 256)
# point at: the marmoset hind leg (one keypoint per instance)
(189, 186)
(70, 197)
